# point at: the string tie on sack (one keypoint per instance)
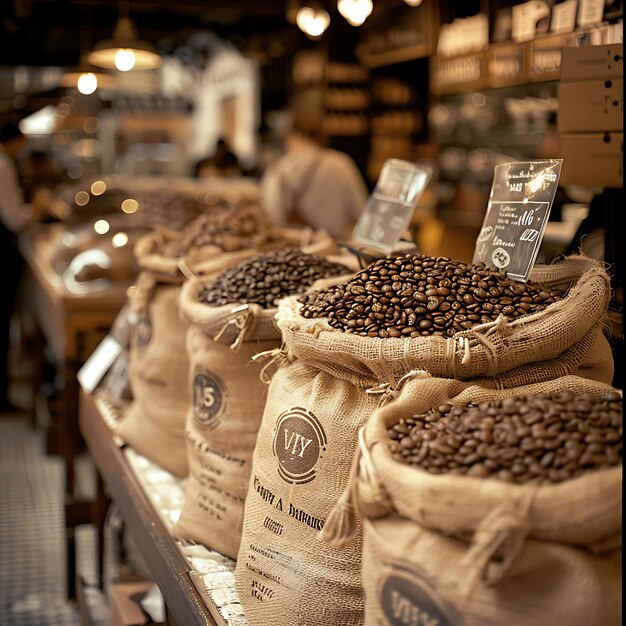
(242, 322)
(272, 357)
(391, 390)
(463, 342)
(188, 273)
(497, 542)
(140, 293)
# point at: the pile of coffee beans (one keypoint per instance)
(535, 438)
(230, 229)
(266, 279)
(416, 295)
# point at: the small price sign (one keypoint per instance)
(390, 207)
(519, 206)
(99, 363)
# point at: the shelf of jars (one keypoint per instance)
(501, 65)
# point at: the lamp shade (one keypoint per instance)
(85, 78)
(125, 51)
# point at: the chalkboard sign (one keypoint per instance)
(519, 206)
(390, 207)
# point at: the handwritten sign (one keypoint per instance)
(390, 207)
(519, 207)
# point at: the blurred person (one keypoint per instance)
(223, 163)
(15, 215)
(37, 170)
(313, 185)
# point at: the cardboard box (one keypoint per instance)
(124, 610)
(591, 106)
(593, 62)
(592, 159)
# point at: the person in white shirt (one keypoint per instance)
(14, 217)
(313, 185)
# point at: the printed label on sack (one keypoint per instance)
(408, 599)
(299, 441)
(143, 331)
(209, 399)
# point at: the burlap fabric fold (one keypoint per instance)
(475, 551)
(154, 423)
(328, 383)
(223, 416)
(486, 350)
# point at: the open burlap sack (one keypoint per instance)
(563, 328)
(223, 416)
(447, 549)
(159, 366)
(317, 401)
(299, 469)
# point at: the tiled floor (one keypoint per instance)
(32, 546)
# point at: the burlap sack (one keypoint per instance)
(486, 350)
(159, 366)
(444, 549)
(223, 416)
(317, 402)
(301, 462)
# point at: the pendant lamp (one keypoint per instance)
(125, 51)
(86, 78)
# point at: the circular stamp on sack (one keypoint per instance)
(209, 399)
(299, 442)
(143, 331)
(407, 597)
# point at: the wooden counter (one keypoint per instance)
(72, 326)
(170, 569)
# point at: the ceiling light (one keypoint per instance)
(413, 3)
(125, 51)
(355, 11)
(312, 19)
(85, 78)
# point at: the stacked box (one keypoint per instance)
(591, 116)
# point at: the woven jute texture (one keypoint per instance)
(490, 349)
(325, 390)
(458, 549)
(159, 365)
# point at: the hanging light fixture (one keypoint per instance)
(125, 51)
(355, 11)
(85, 78)
(413, 3)
(312, 19)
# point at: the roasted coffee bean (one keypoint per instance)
(432, 296)
(229, 229)
(265, 279)
(492, 440)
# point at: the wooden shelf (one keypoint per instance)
(168, 566)
(391, 57)
(506, 64)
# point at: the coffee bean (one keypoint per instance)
(424, 289)
(493, 440)
(265, 279)
(229, 229)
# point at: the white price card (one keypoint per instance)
(390, 207)
(98, 364)
(519, 206)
